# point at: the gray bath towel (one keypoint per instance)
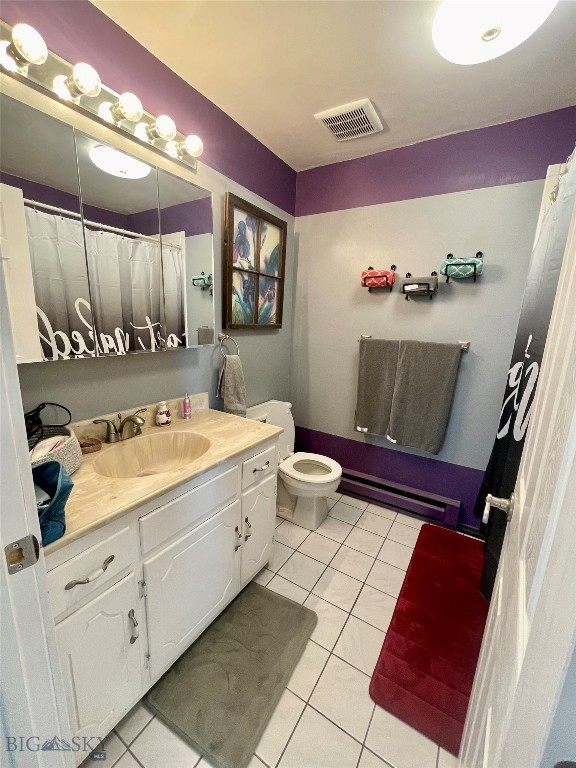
(231, 386)
(423, 393)
(376, 376)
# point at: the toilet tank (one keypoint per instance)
(279, 414)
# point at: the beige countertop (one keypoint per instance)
(96, 500)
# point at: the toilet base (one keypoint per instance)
(308, 512)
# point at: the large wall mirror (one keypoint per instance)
(104, 254)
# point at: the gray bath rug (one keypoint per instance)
(220, 694)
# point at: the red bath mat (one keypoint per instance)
(426, 666)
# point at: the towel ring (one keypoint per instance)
(222, 338)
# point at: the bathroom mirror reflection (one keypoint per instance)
(42, 237)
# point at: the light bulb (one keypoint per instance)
(28, 46)
(84, 81)
(105, 112)
(192, 145)
(60, 88)
(163, 128)
(7, 61)
(141, 132)
(117, 163)
(172, 149)
(480, 30)
(128, 107)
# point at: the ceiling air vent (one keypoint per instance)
(351, 121)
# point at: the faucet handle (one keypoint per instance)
(112, 434)
(139, 419)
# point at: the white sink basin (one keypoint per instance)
(151, 454)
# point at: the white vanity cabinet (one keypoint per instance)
(177, 562)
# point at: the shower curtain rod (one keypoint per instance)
(97, 224)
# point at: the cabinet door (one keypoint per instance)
(258, 522)
(102, 669)
(189, 583)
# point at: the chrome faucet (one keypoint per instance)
(115, 433)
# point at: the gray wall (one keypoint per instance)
(92, 387)
(333, 310)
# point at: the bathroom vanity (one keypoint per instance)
(149, 561)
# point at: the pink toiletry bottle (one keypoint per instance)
(186, 409)
(163, 417)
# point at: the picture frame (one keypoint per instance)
(254, 263)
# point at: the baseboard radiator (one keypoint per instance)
(402, 498)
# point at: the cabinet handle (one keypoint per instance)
(238, 539)
(91, 576)
(249, 529)
(262, 468)
(135, 630)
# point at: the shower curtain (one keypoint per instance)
(132, 291)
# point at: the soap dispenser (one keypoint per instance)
(163, 417)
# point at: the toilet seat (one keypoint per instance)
(288, 468)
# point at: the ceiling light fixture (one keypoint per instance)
(475, 31)
(191, 146)
(163, 128)
(116, 163)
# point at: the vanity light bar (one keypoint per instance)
(81, 85)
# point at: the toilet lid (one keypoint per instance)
(311, 467)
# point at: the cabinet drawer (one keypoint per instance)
(258, 467)
(95, 566)
(166, 521)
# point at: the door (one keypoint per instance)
(531, 627)
(102, 659)
(33, 704)
(189, 583)
(258, 523)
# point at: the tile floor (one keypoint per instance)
(349, 572)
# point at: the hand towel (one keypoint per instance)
(423, 391)
(376, 376)
(231, 386)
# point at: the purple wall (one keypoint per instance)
(439, 477)
(194, 218)
(488, 157)
(78, 31)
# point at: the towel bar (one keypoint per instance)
(465, 345)
(222, 337)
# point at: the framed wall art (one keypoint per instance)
(254, 263)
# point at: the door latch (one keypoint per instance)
(22, 553)
(506, 505)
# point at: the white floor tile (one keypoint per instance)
(279, 521)
(335, 497)
(364, 541)
(264, 577)
(309, 669)
(290, 534)
(360, 644)
(126, 761)
(403, 534)
(334, 529)
(354, 502)
(134, 722)
(395, 554)
(279, 728)
(158, 746)
(398, 743)
(352, 562)
(374, 607)
(302, 570)
(113, 748)
(319, 547)
(342, 695)
(385, 577)
(254, 763)
(338, 589)
(369, 760)
(288, 589)
(330, 621)
(318, 743)
(280, 553)
(346, 513)
(375, 524)
(411, 522)
(446, 760)
(376, 509)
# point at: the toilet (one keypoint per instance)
(305, 480)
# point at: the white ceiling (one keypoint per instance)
(272, 65)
